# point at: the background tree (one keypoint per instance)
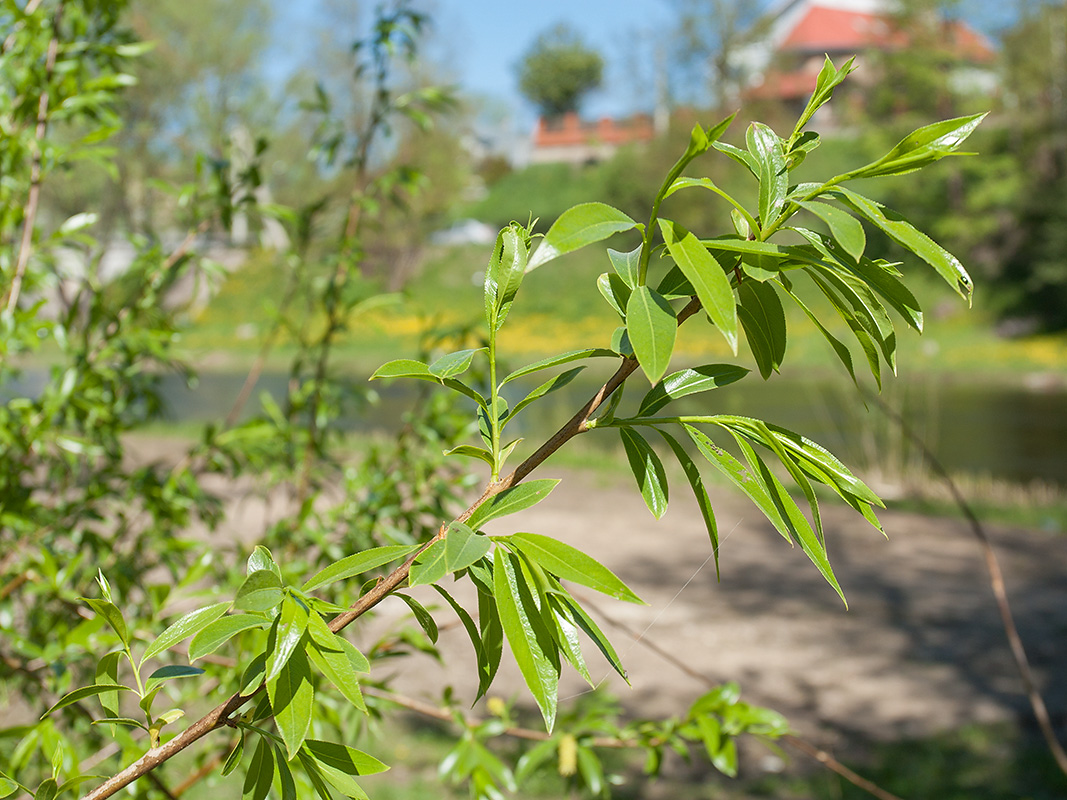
(711, 34)
(558, 70)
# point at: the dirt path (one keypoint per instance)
(920, 648)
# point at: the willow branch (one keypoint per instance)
(220, 716)
(996, 583)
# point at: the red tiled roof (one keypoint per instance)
(835, 30)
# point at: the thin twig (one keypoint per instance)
(996, 582)
(804, 746)
(29, 221)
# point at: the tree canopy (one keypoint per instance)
(558, 70)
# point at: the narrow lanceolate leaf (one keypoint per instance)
(555, 361)
(344, 759)
(171, 672)
(905, 234)
(578, 226)
(107, 672)
(292, 699)
(829, 78)
(590, 628)
(707, 277)
(358, 564)
(188, 625)
(696, 483)
(840, 350)
(689, 381)
(511, 501)
(549, 386)
(845, 229)
(112, 616)
(212, 637)
(261, 591)
(84, 693)
(409, 368)
(626, 265)
(647, 469)
(286, 636)
(531, 643)
(260, 772)
(470, 626)
(565, 632)
(471, 451)
(652, 326)
(919, 148)
(422, 616)
(766, 149)
(492, 638)
(571, 564)
(763, 318)
(330, 658)
(452, 364)
(615, 291)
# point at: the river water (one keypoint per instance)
(1011, 433)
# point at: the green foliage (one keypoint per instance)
(557, 70)
(271, 639)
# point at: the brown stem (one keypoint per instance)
(804, 746)
(30, 218)
(996, 582)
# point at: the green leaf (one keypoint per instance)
(429, 566)
(530, 641)
(492, 638)
(48, 790)
(408, 368)
(471, 627)
(7, 785)
(261, 591)
(577, 227)
(627, 265)
(652, 326)
(549, 386)
(903, 233)
(845, 229)
(286, 636)
(590, 628)
(766, 149)
(742, 157)
(763, 319)
(286, 782)
(555, 361)
(689, 381)
(829, 78)
(647, 469)
(422, 616)
(511, 501)
(615, 291)
(452, 364)
(696, 483)
(187, 625)
(707, 277)
(464, 547)
(107, 672)
(212, 637)
(840, 350)
(919, 148)
(85, 692)
(504, 274)
(471, 451)
(565, 632)
(328, 653)
(571, 564)
(358, 564)
(344, 759)
(260, 772)
(112, 616)
(169, 673)
(126, 722)
(233, 760)
(675, 285)
(328, 640)
(261, 558)
(292, 699)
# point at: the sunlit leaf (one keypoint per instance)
(577, 227)
(358, 564)
(647, 469)
(187, 625)
(706, 276)
(511, 501)
(571, 564)
(652, 326)
(260, 591)
(213, 636)
(292, 699)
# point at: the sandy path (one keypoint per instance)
(920, 648)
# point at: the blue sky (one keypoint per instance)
(478, 43)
